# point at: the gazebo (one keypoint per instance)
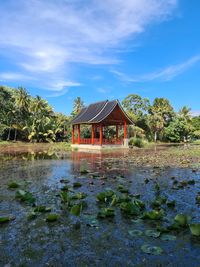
(99, 115)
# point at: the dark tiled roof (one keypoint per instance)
(97, 112)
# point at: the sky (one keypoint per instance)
(98, 50)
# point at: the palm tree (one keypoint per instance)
(77, 106)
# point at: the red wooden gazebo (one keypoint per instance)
(99, 115)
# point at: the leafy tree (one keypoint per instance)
(179, 129)
(136, 106)
(161, 113)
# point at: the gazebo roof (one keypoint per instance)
(105, 112)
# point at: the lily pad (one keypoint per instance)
(25, 196)
(77, 184)
(13, 185)
(154, 250)
(106, 212)
(129, 208)
(76, 209)
(4, 220)
(167, 237)
(152, 233)
(122, 189)
(52, 217)
(83, 171)
(135, 233)
(195, 229)
(154, 214)
(42, 209)
(182, 219)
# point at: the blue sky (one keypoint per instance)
(102, 49)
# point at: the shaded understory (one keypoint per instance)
(153, 177)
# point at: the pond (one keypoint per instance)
(98, 209)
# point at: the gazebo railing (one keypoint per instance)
(88, 141)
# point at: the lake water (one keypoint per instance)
(86, 240)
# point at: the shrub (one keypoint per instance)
(135, 141)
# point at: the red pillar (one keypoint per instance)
(117, 132)
(93, 134)
(101, 134)
(72, 134)
(79, 134)
(125, 131)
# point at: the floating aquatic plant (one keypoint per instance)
(182, 219)
(152, 233)
(154, 250)
(42, 209)
(135, 233)
(25, 196)
(106, 212)
(195, 229)
(13, 185)
(129, 208)
(52, 217)
(168, 237)
(76, 209)
(154, 214)
(5, 219)
(77, 184)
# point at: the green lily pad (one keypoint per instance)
(25, 196)
(129, 208)
(42, 209)
(52, 217)
(135, 233)
(83, 171)
(122, 189)
(77, 184)
(154, 250)
(167, 237)
(182, 219)
(152, 233)
(76, 209)
(195, 229)
(5, 220)
(106, 212)
(154, 215)
(13, 185)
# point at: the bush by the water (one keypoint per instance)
(138, 142)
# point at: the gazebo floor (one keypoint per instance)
(97, 147)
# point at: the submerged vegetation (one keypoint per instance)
(107, 202)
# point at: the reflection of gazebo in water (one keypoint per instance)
(99, 115)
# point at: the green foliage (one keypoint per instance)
(30, 118)
(52, 217)
(195, 229)
(135, 141)
(25, 196)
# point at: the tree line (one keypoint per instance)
(27, 118)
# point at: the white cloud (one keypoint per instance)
(195, 113)
(103, 90)
(165, 74)
(47, 36)
(13, 76)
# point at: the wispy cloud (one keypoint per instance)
(103, 90)
(13, 76)
(45, 37)
(195, 113)
(165, 74)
